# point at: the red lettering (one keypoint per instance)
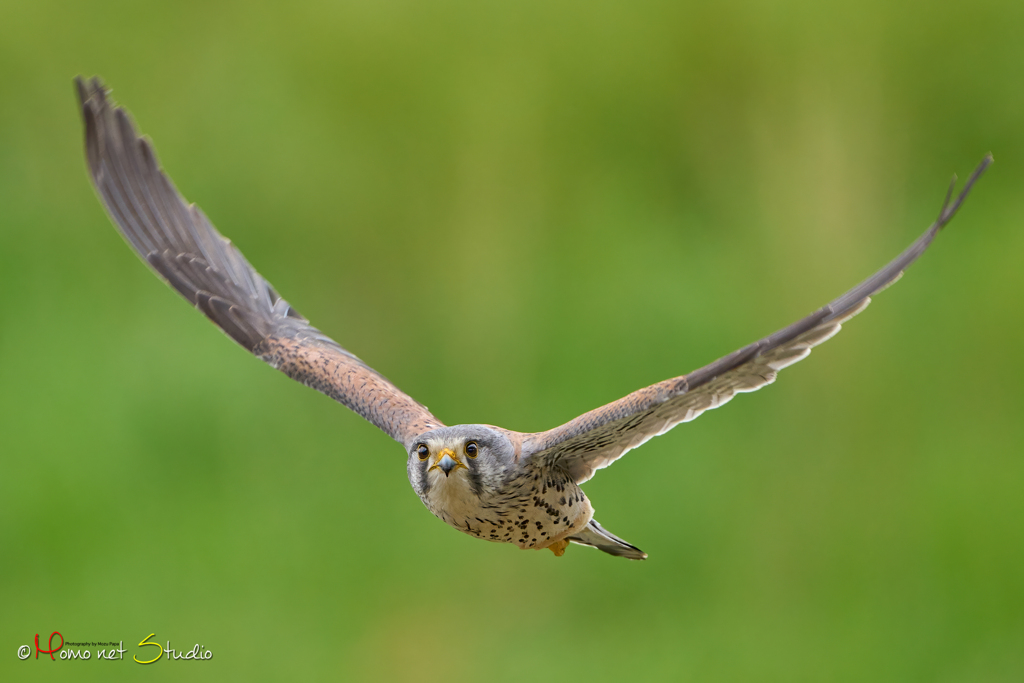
(50, 645)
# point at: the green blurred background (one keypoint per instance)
(518, 214)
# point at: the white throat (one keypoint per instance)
(451, 495)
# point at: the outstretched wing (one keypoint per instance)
(598, 438)
(178, 241)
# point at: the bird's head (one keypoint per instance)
(473, 455)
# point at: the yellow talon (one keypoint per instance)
(558, 547)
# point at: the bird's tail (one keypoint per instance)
(596, 536)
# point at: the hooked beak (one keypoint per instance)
(446, 462)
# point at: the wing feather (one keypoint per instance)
(178, 241)
(600, 437)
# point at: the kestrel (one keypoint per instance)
(486, 481)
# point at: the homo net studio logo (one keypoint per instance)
(150, 651)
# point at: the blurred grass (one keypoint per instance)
(517, 214)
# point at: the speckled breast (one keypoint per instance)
(532, 510)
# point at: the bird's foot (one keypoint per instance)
(558, 547)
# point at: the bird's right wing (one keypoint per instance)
(600, 437)
(182, 246)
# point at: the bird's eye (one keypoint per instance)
(472, 449)
(423, 451)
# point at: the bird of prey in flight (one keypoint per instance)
(486, 481)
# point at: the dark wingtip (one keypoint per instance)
(83, 94)
(90, 93)
(949, 195)
(88, 89)
(948, 211)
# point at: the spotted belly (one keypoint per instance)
(532, 511)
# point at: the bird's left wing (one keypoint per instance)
(179, 243)
(598, 438)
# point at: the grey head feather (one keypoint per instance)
(486, 472)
